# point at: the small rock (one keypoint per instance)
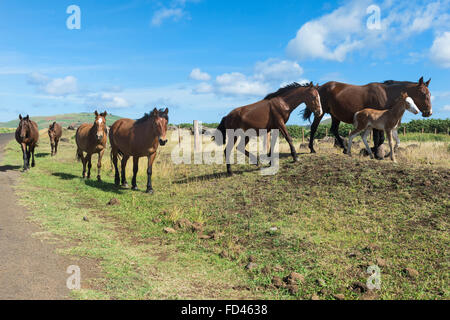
(381, 262)
(273, 229)
(265, 270)
(85, 219)
(251, 266)
(277, 282)
(352, 255)
(339, 296)
(412, 273)
(113, 202)
(315, 297)
(169, 230)
(204, 236)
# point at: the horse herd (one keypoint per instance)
(377, 106)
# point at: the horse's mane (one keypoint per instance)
(284, 90)
(391, 82)
(149, 115)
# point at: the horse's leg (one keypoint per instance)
(364, 138)
(33, 163)
(24, 156)
(288, 138)
(89, 163)
(248, 154)
(230, 145)
(124, 165)
(353, 134)
(56, 146)
(116, 169)
(28, 155)
(335, 130)
(135, 171)
(397, 140)
(99, 164)
(151, 158)
(83, 160)
(378, 140)
(314, 127)
(391, 144)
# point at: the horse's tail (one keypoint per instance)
(78, 155)
(223, 130)
(306, 114)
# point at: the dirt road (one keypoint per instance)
(29, 268)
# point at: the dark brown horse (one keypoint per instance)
(343, 100)
(141, 138)
(91, 138)
(272, 113)
(27, 135)
(54, 133)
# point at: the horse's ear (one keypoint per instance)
(96, 113)
(20, 117)
(311, 84)
(421, 81)
(27, 117)
(317, 86)
(428, 83)
(166, 112)
(104, 114)
(155, 112)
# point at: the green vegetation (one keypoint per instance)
(328, 218)
(7, 130)
(64, 119)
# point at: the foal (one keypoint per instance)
(386, 120)
(91, 138)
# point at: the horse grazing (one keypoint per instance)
(91, 138)
(386, 120)
(27, 135)
(54, 133)
(271, 113)
(140, 138)
(343, 100)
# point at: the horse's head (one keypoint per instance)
(406, 102)
(312, 99)
(161, 119)
(24, 126)
(422, 97)
(100, 125)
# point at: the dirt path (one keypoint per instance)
(29, 268)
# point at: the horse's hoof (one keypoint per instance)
(149, 191)
(125, 186)
(229, 173)
(134, 188)
(99, 179)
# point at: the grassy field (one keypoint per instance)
(7, 130)
(326, 218)
(64, 119)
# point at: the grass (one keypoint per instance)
(7, 130)
(334, 216)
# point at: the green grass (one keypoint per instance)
(423, 137)
(7, 130)
(334, 215)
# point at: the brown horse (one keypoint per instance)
(343, 100)
(27, 135)
(54, 133)
(141, 138)
(272, 113)
(91, 138)
(386, 120)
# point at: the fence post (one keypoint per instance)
(435, 130)
(196, 137)
(404, 131)
(303, 135)
(422, 130)
(179, 136)
(326, 132)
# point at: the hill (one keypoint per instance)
(63, 119)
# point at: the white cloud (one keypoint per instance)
(197, 74)
(107, 100)
(54, 87)
(167, 13)
(335, 35)
(440, 50)
(203, 87)
(446, 108)
(275, 69)
(238, 84)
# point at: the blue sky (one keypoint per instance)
(202, 58)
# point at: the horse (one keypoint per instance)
(91, 138)
(343, 100)
(140, 138)
(271, 113)
(54, 133)
(386, 120)
(27, 135)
